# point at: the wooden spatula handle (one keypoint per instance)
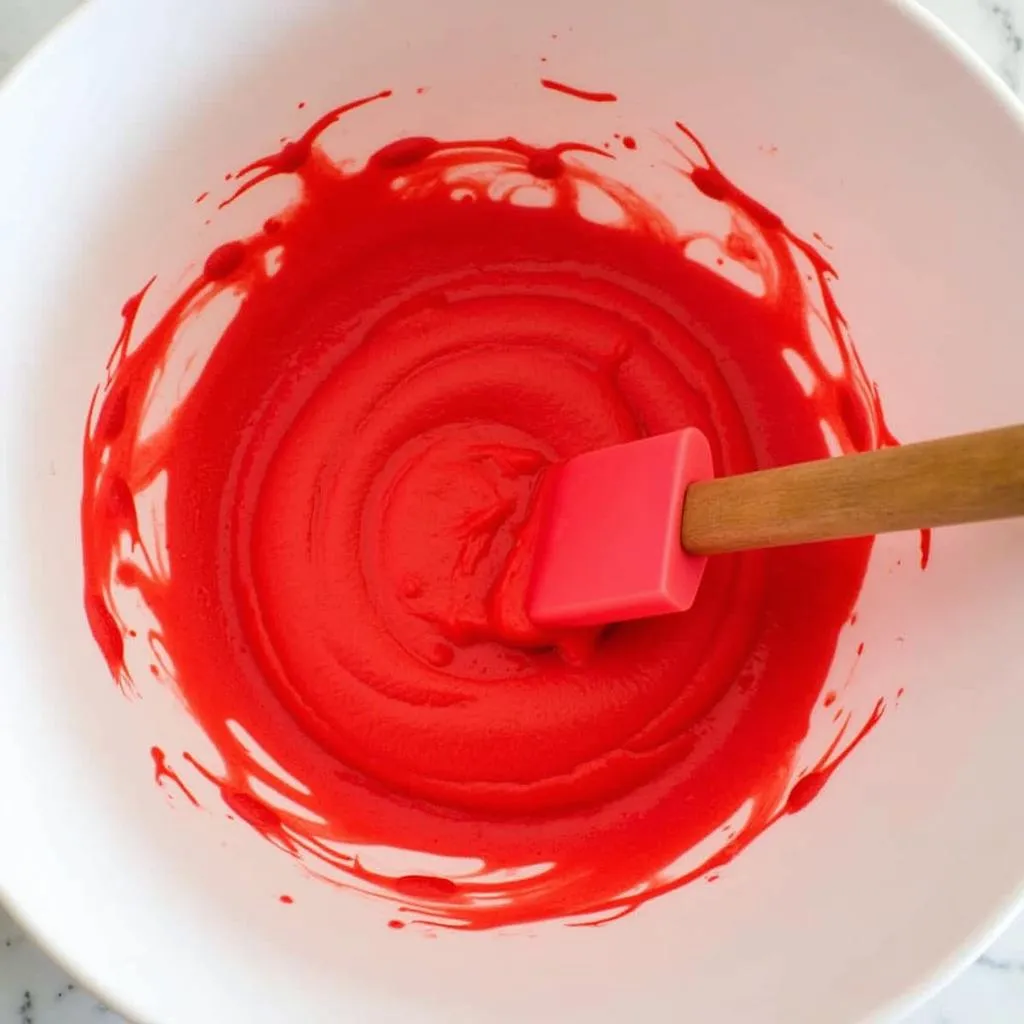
(962, 479)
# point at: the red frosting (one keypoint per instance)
(349, 483)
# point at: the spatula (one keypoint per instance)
(627, 529)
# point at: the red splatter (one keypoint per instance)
(162, 770)
(426, 887)
(341, 441)
(580, 94)
(107, 634)
(404, 153)
(293, 155)
(224, 261)
(807, 788)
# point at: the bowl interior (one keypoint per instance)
(859, 125)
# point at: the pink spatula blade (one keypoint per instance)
(610, 546)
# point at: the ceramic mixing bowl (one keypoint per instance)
(865, 125)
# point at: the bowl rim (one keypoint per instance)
(895, 1009)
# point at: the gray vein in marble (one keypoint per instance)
(1010, 65)
(997, 964)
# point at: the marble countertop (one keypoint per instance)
(33, 990)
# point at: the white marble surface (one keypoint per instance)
(33, 990)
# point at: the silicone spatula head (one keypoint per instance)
(610, 547)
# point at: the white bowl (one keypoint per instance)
(864, 122)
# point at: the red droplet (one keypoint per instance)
(547, 164)
(119, 503)
(805, 791)
(397, 925)
(629, 142)
(107, 632)
(128, 575)
(224, 261)
(709, 183)
(286, 900)
(428, 887)
(112, 416)
(130, 309)
(252, 811)
(405, 152)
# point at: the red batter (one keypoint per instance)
(348, 485)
